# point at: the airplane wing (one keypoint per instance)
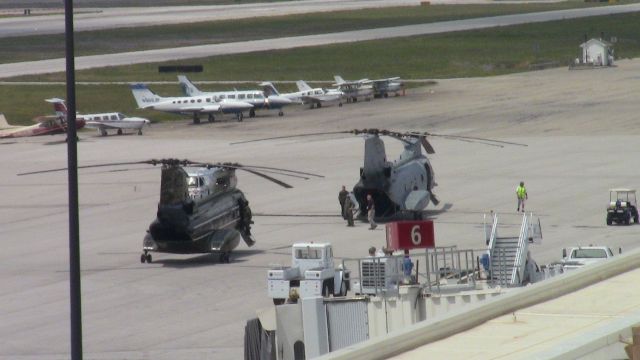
(385, 80)
(310, 100)
(135, 123)
(202, 109)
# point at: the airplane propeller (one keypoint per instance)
(399, 136)
(253, 169)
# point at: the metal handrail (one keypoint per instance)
(523, 240)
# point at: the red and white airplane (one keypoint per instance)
(103, 121)
(47, 125)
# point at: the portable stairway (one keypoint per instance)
(508, 253)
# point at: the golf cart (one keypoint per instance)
(622, 207)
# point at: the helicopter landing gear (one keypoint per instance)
(146, 257)
(240, 116)
(225, 257)
(281, 113)
(119, 131)
(252, 113)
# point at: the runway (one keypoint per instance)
(580, 143)
(160, 55)
(111, 18)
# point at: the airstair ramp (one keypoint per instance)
(508, 240)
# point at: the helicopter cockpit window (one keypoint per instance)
(222, 182)
(195, 181)
(308, 253)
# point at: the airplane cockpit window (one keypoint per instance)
(114, 117)
(318, 92)
(240, 96)
(259, 96)
(121, 116)
(208, 99)
(223, 96)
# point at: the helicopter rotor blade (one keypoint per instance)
(282, 170)
(426, 145)
(149, 162)
(265, 176)
(293, 136)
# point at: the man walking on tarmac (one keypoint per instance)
(371, 212)
(342, 196)
(521, 193)
(348, 211)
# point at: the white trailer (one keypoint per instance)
(312, 273)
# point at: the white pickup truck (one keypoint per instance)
(578, 257)
(312, 273)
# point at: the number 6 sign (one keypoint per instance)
(403, 235)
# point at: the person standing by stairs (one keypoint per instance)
(521, 193)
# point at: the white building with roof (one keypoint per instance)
(597, 52)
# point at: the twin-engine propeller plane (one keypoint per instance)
(194, 105)
(402, 187)
(47, 125)
(200, 209)
(256, 98)
(103, 121)
(316, 97)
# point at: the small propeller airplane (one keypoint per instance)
(384, 87)
(256, 98)
(47, 125)
(354, 89)
(316, 97)
(103, 121)
(194, 105)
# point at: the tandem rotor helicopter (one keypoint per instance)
(201, 210)
(402, 187)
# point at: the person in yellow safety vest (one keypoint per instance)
(521, 193)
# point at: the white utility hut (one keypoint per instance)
(597, 52)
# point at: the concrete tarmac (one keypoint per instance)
(199, 51)
(580, 127)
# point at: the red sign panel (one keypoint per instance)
(403, 235)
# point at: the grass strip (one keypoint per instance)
(168, 36)
(485, 52)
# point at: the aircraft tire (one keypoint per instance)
(240, 117)
(212, 118)
(119, 131)
(149, 258)
(139, 131)
(252, 113)
(385, 95)
(281, 113)
(340, 104)
(143, 258)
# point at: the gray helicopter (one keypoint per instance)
(403, 187)
(200, 209)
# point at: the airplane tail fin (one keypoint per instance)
(4, 124)
(59, 106)
(302, 85)
(269, 89)
(144, 97)
(339, 79)
(187, 86)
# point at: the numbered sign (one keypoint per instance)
(403, 235)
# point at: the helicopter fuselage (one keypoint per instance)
(402, 185)
(211, 216)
